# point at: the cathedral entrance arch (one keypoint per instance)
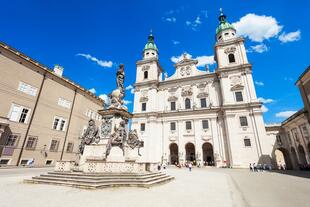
(174, 153)
(190, 152)
(207, 153)
(302, 155)
(283, 159)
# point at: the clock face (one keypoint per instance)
(182, 71)
(188, 70)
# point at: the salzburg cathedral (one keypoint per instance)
(211, 118)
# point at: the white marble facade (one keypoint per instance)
(213, 117)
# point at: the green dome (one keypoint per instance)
(150, 45)
(224, 25)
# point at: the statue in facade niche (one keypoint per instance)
(118, 94)
(133, 140)
(118, 138)
(90, 135)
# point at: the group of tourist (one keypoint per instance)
(259, 167)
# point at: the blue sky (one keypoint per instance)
(69, 33)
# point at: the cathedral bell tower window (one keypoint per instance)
(231, 58)
(145, 74)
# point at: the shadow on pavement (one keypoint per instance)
(297, 173)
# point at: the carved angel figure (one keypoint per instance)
(133, 140)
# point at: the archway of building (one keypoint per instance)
(302, 155)
(283, 159)
(174, 153)
(294, 157)
(207, 154)
(190, 152)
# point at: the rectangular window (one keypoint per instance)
(239, 97)
(28, 89)
(4, 161)
(172, 106)
(31, 143)
(64, 103)
(12, 140)
(24, 162)
(188, 125)
(59, 123)
(54, 145)
(247, 142)
(143, 106)
(243, 121)
(205, 124)
(69, 147)
(172, 126)
(19, 113)
(203, 103)
(48, 162)
(142, 127)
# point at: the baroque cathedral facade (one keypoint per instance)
(210, 118)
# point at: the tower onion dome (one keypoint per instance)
(224, 25)
(150, 45)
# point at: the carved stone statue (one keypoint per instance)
(90, 135)
(133, 141)
(120, 77)
(118, 138)
(118, 94)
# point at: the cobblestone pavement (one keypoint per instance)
(201, 187)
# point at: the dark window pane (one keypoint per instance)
(188, 125)
(231, 58)
(243, 121)
(142, 127)
(238, 95)
(172, 106)
(143, 106)
(187, 103)
(172, 126)
(205, 124)
(247, 142)
(203, 103)
(146, 74)
(23, 115)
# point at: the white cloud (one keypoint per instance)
(205, 60)
(170, 19)
(105, 98)
(285, 114)
(204, 13)
(259, 83)
(129, 87)
(290, 37)
(202, 60)
(175, 42)
(265, 101)
(264, 109)
(260, 48)
(194, 24)
(126, 102)
(92, 90)
(257, 27)
(288, 79)
(102, 63)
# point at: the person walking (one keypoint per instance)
(250, 166)
(190, 166)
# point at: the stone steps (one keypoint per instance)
(98, 178)
(95, 181)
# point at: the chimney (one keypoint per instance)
(58, 70)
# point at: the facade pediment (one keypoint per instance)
(237, 87)
(172, 98)
(202, 95)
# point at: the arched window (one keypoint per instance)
(187, 103)
(231, 58)
(145, 74)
